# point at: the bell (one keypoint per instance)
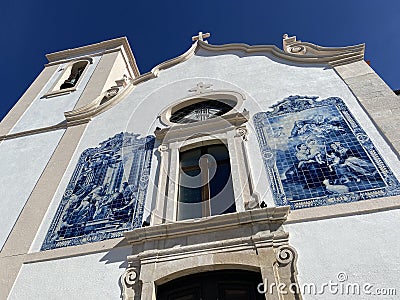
(67, 84)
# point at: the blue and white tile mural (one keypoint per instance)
(106, 193)
(316, 153)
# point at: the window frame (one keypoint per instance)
(229, 128)
(65, 73)
(222, 96)
(206, 186)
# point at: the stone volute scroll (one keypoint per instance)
(299, 50)
(286, 262)
(131, 285)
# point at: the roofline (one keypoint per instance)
(94, 48)
(315, 55)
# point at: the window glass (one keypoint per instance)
(201, 111)
(205, 183)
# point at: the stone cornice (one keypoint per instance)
(335, 56)
(276, 215)
(315, 55)
(294, 51)
(96, 48)
(98, 105)
(62, 125)
(319, 55)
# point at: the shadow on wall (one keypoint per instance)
(118, 255)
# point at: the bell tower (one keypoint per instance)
(39, 135)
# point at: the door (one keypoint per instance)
(215, 285)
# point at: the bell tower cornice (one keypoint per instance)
(118, 44)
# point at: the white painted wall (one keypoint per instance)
(343, 244)
(22, 163)
(24, 158)
(94, 276)
(264, 80)
(364, 247)
(45, 112)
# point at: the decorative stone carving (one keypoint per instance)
(111, 92)
(291, 45)
(168, 251)
(285, 255)
(201, 88)
(114, 90)
(162, 148)
(297, 49)
(131, 285)
(286, 267)
(242, 132)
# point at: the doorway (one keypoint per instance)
(214, 285)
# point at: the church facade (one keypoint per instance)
(228, 172)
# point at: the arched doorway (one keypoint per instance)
(214, 285)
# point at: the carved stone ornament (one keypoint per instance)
(111, 92)
(291, 45)
(285, 255)
(297, 49)
(242, 132)
(162, 148)
(286, 261)
(130, 283)
(201, 88)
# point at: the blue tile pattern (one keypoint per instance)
(106, 193)
(315, 153)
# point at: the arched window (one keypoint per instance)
(202, 110)
(205, 182)
(203, 162)
(76, 72)
(201, 107)
(68, 80)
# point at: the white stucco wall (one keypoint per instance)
(365, 248)
(24, 158)
(50, 111)
(22, 163)
(93, 276)
(263, 79)
(343, 244)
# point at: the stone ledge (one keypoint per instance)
(343, 210)
(208, 224)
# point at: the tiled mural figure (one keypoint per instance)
(106, 193)
(316, 153)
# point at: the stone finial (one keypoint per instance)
(292, 45)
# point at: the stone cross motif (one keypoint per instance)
(201, 88)
(201, 36)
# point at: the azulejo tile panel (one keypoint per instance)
(315, 153)
(106, 193)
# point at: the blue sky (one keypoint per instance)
(160, 30)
